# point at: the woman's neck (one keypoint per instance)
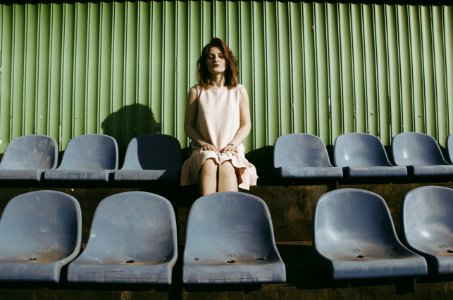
(217, 80)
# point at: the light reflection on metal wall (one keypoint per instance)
(124, 68)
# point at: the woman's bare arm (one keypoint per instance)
(190, 121)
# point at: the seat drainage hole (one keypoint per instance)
(231, 261)
(32, 258)
(130, 261)
(359, 256)
(449, 251)
(196, 258)
(260, 258)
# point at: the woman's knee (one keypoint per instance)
(227, 169)
(227, 178)
(209, 167)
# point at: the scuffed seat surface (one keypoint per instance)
(421, 154)
(27, 157)
(354, 232)
(40, 232)
(428, 225)
(132, 240)
(363, 155)
(230, 240)
(301, 155)
(87, 157)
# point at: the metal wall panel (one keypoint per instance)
(124, 68)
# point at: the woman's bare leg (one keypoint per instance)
(208, 177)
(227, 178)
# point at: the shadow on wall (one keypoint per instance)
(129, 122)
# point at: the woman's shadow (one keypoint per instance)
(128, 122)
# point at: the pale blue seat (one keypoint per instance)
(230, 240)
(421, 154)
(40, 232)
(27, 157)
(87, 157)
(132, 240)
(300, 155)
(428, 225)
(363, 155)
(151, 157)
(354, 232)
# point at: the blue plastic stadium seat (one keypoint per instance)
(40, 232)
(354, 232)
(301, 155)
(27, 157)
(450, 147)
(363, 155)
(151, 157)
(230, 240)
(421, 154)
(428, 225)
(87, 157)
(132, 240)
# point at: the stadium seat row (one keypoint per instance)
(356, 155)
(159, 157)
(92, 157)
(229, 238)
(133, 239)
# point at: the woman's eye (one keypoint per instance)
(211, 56)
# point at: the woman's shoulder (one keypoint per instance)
(194, 94)
(195, 88)
(240, 86)
(241, 89)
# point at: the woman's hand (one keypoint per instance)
(229, 148)
(209, 147)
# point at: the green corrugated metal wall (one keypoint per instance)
(124, 68)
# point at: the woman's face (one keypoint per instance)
(215, 61)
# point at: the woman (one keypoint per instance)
(217, 121)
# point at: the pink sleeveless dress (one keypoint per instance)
(218, 120)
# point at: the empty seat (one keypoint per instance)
(87, 157)
(450, 147)
(132, 240)
(428, 225)
(363, 155)
(421, 154)
(27, 157)
(301, 155)
(354, 232)
(40, 232)
(151, 157)
(230, 239)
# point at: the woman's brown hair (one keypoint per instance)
(231, 64)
